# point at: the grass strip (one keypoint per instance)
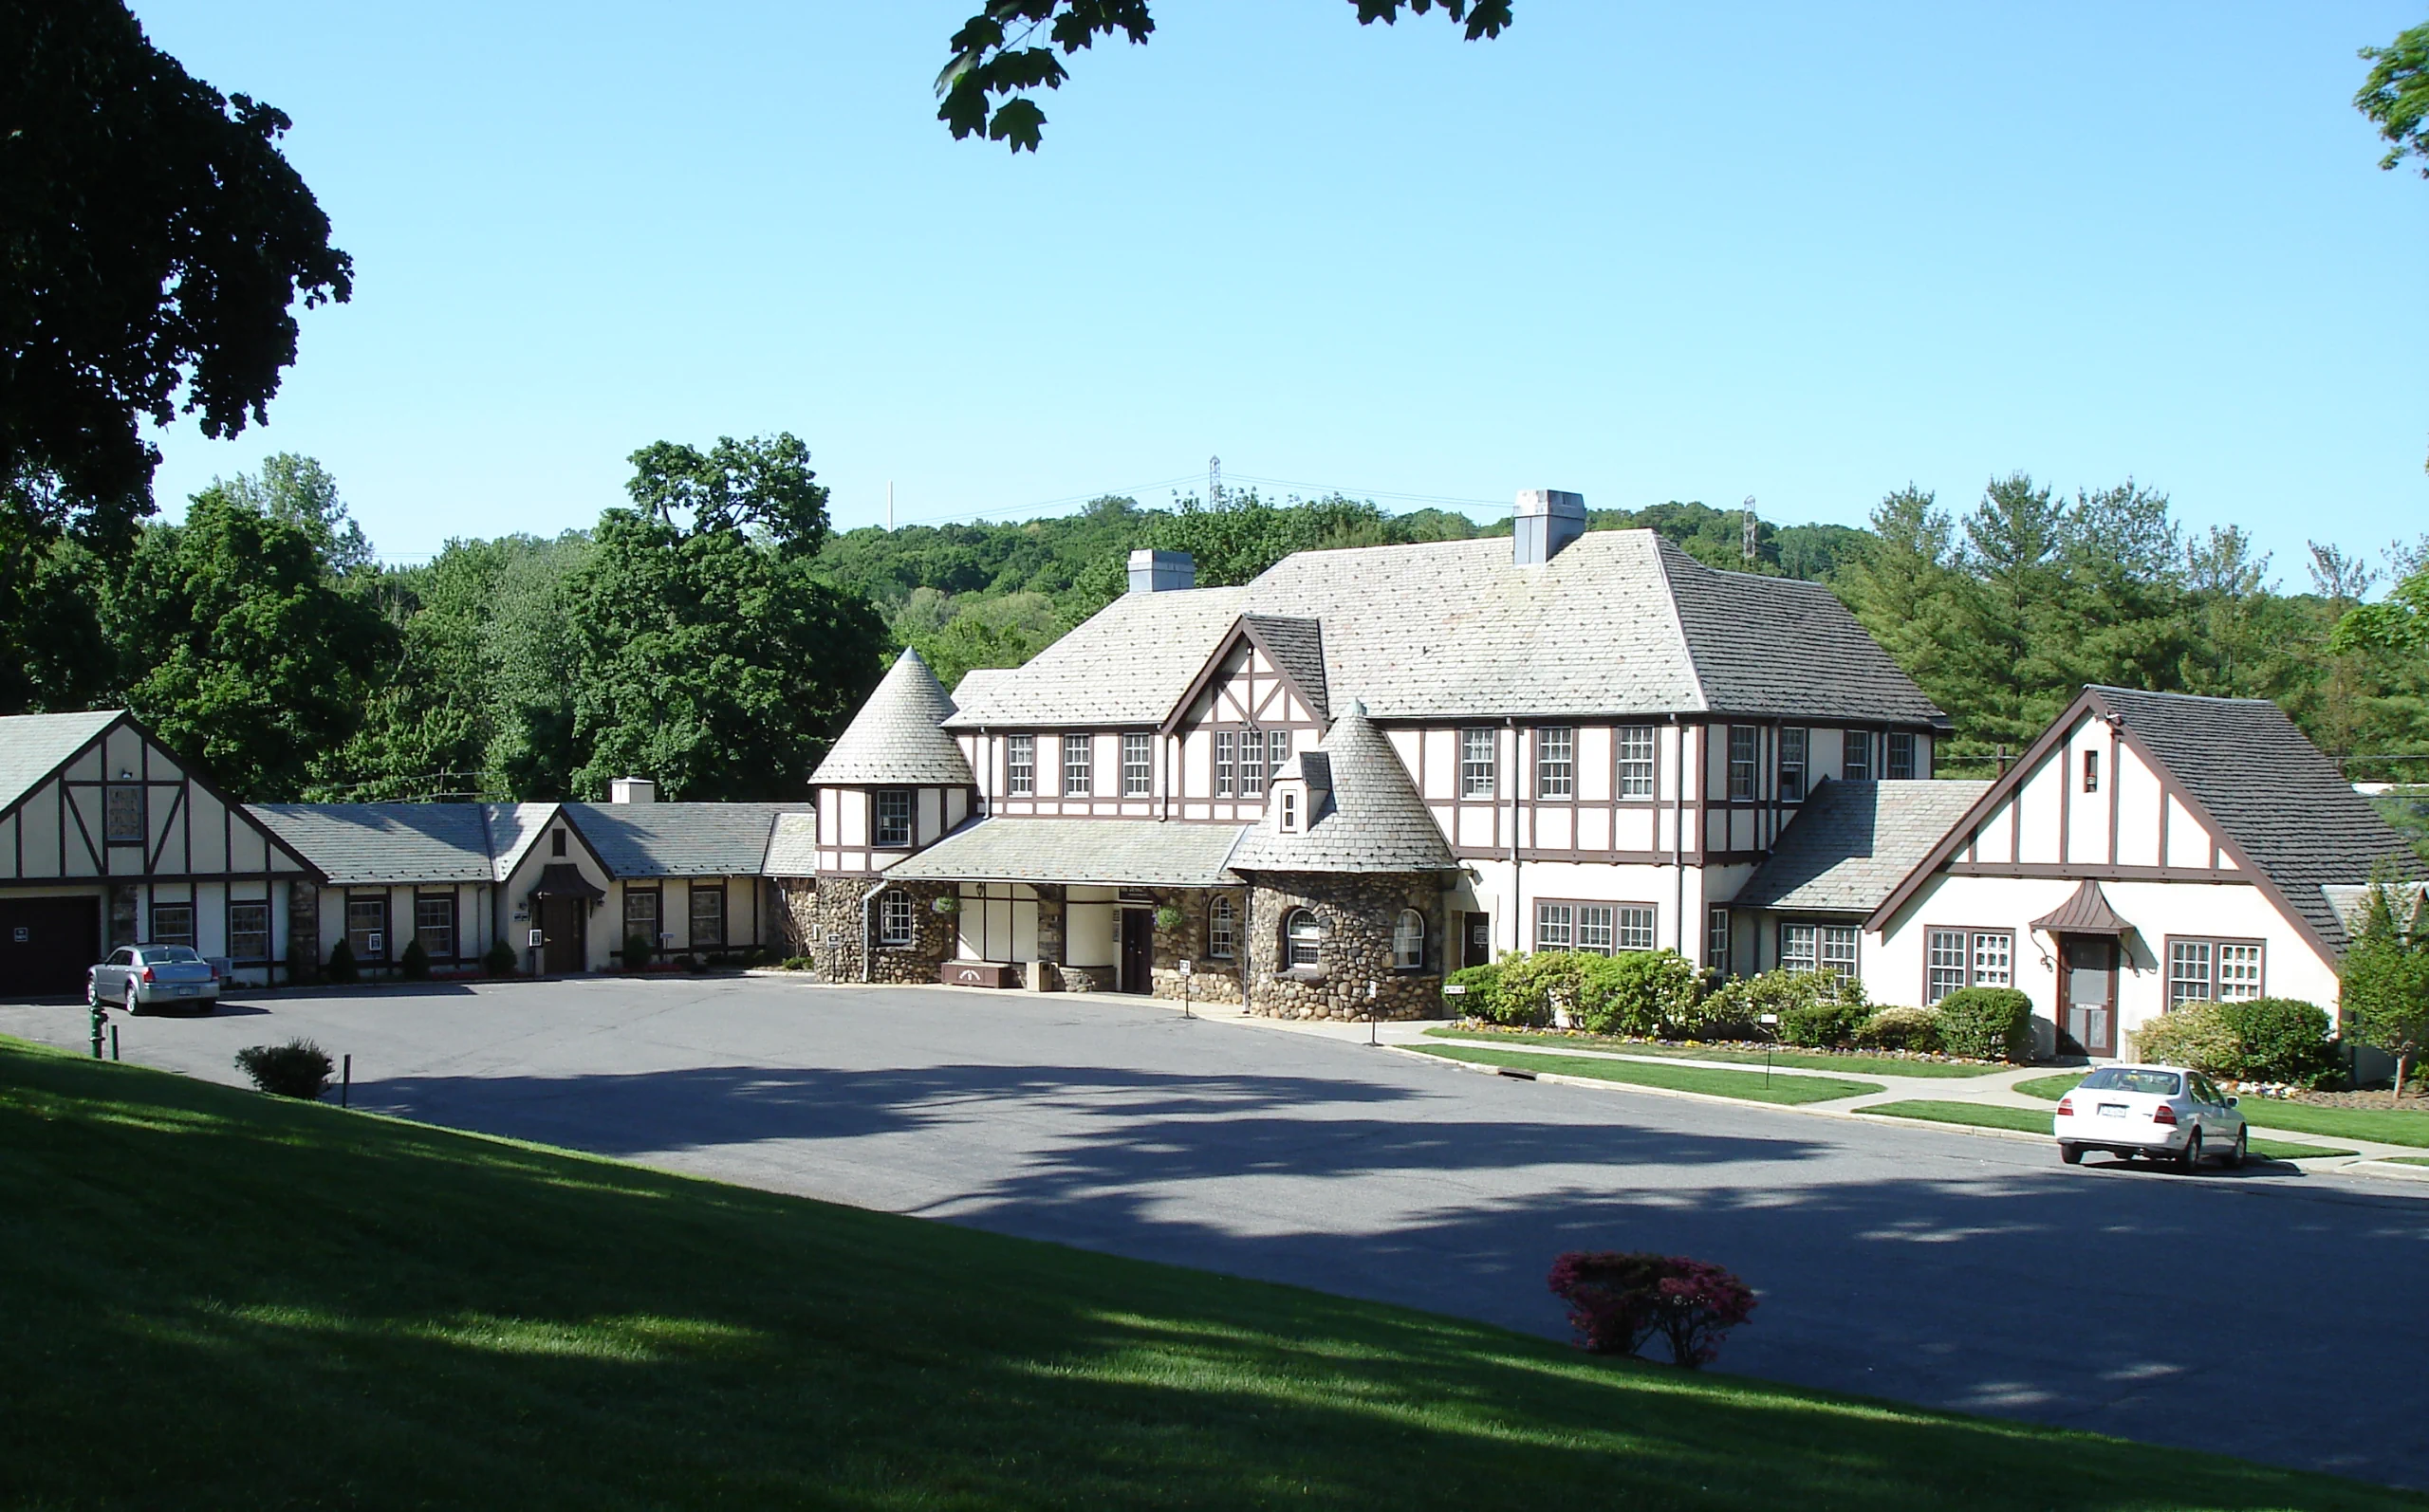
(1747, 1085)
(2404, 1160)
(2033, 1120)
(2391, 1126)
(1877, 1065)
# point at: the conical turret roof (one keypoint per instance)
(896, 738)
(1364, 813)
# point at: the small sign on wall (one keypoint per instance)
(24, 935)
(538, 939)
(375, 943)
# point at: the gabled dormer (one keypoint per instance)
(896, 782)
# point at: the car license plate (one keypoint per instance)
(2112, 1110)
(187, 993)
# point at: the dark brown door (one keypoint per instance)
(1476, 939)
(562, 922)
(2087, 992)
(47, 942)
(1137, 950)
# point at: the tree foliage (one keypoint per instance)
(2395, 96)
(2385, 990)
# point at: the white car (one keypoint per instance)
(137, 977)
(2166, 1113)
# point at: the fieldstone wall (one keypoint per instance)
(824, 920)
(1357, 912)
(1210, 980)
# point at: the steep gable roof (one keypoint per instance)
(1126, 664)
(896, 737)
(1851, 842)
(32, 746)
(1366, 815)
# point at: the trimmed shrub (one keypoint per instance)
(1533, 988)
(1482, 999)
(1987, 1024)
(1636, 992)
(1618, 1301)
(499, 961)
(1824, 1025)
(1814, 1007)
(2279, 1040)
(341, 969)
(636, 952)
(2194, 1035)
(415, 963)
(1914, 1030)
(298, 1068)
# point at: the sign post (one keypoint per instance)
(1770, 1022)
(1370, 1015)
(1185, 968)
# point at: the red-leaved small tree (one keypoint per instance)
(1618, 1302)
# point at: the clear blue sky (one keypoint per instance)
(1643, 251)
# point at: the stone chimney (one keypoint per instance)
(1161, 571)
(632, 790)
(1548, 519)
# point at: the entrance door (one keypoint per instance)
(1476, 939)
(1137, 950)
(2087, 991)
(47, 942)
(562, 922)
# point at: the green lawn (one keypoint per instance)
(1748, 1085)
(2407, 1160)
(1877, 1065)
(2033, 1120)
(2394, 1126)
(215, 1301)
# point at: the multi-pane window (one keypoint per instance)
(707, 916)
(1792, 765)
(1555, 762)
(1222, 928)
(1277, 749)
(1839, 947)
(1601, 928)
(1303, 937)
(1475, 763)
(1901, 758)
(1408, 941)
(435, 925)
(1636, 761)
(1020, 765)
(1290, 813)
(1252, 763)
(1800, 947)
(1138, 763)
(1717, 938)
(122, 815)
(1555, 925)
(2238, 971)
(173, 924)
(1635, 929)
(1963, 958)
(366, 928)
(248, 932)
(1227, 752)
(894, 816)
(894, 920)
(1742, 762)
(2213, 970)
(1855, 755)
(641, 914)
(1594, 927)
(1077, 765)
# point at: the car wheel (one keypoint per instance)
(2190, 1161)
(92, 993)
(2242, 1150)
(2071, 1152)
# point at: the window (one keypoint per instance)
(1636, 761)
(1839, 947)
(1800, 947)
(248, 932)
(641, 914)
(122, 815)
(557, 842)
(1227, 750)
(1555, 762)
(1475, 763)
(1741, 762)
(1792, 765)
(1222, 928)
(1408, 942)
(894, 816)
(1554, 926)
(2214, 970)
(366, 928)
(1855, 755)
(1137, 764)
(708, 916)
(173, 924)
(2092, 771)
(1717, 938)
(1076, 765)
(1277, 750)
(1252, 763)
(1963, 958)
(435, 925)
(1594, 927)
(1290, 813)
(1901, 754)
(1020, 766)
(894, 920)
(1303, 938)
(1636, 929)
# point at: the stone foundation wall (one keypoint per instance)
(1358, 913)
(1210, 980)
(824, 920)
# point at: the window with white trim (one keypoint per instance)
(1635, 929)
(1555, 762)
(1792, 765)
(1277, 750)
(248, 932)
(1717, 938)
(1222, 928)
(1252, 763)
(1819, 947)
(435, 925)
(1900, 757)
(1555, 926)
(1290, 813)
(1636, 761)
(894, 920)
(1594, 925)
(1475, 763)
(1020, 766)
(1839, 942)
(1227, 749)
(1855, 755)
(2209, 970)
(1742, 762)
(1077, 765)
(1138, 763)
(1303, 938)
(1966, 958)
(894, 816)
(1408, 941)
(707, 916)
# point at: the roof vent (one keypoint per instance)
(632, 790)
(1161, 571)
(1548, 519)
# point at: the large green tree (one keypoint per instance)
(2395, 96)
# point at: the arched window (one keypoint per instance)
(1222, 928)
(1302, 934)
(1408, 941)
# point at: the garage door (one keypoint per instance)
(45, 944)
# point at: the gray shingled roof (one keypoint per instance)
(896, 738)
(680, 840)
(385, 842)
(1852, 842)
(1126, 664)
(1083, 851)
(2273, 792)
(514, 828)
(32, 746)
(976, 682)
(793, 846)
(1298, 648)
(1366, 813)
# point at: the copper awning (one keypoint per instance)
(2086, 913)
(564, 880)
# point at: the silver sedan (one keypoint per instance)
(137, 977)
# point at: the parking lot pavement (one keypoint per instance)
(2263, 1315)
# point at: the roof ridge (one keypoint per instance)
(1678, 619)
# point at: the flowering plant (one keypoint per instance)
(948, 905)
(1618, 1302)
(1168, 917)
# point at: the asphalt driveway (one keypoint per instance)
(2274, 1315)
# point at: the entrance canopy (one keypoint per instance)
(2086, 913)
(563, 879)
(1078, 851)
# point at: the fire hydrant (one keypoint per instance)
(101, 1017)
